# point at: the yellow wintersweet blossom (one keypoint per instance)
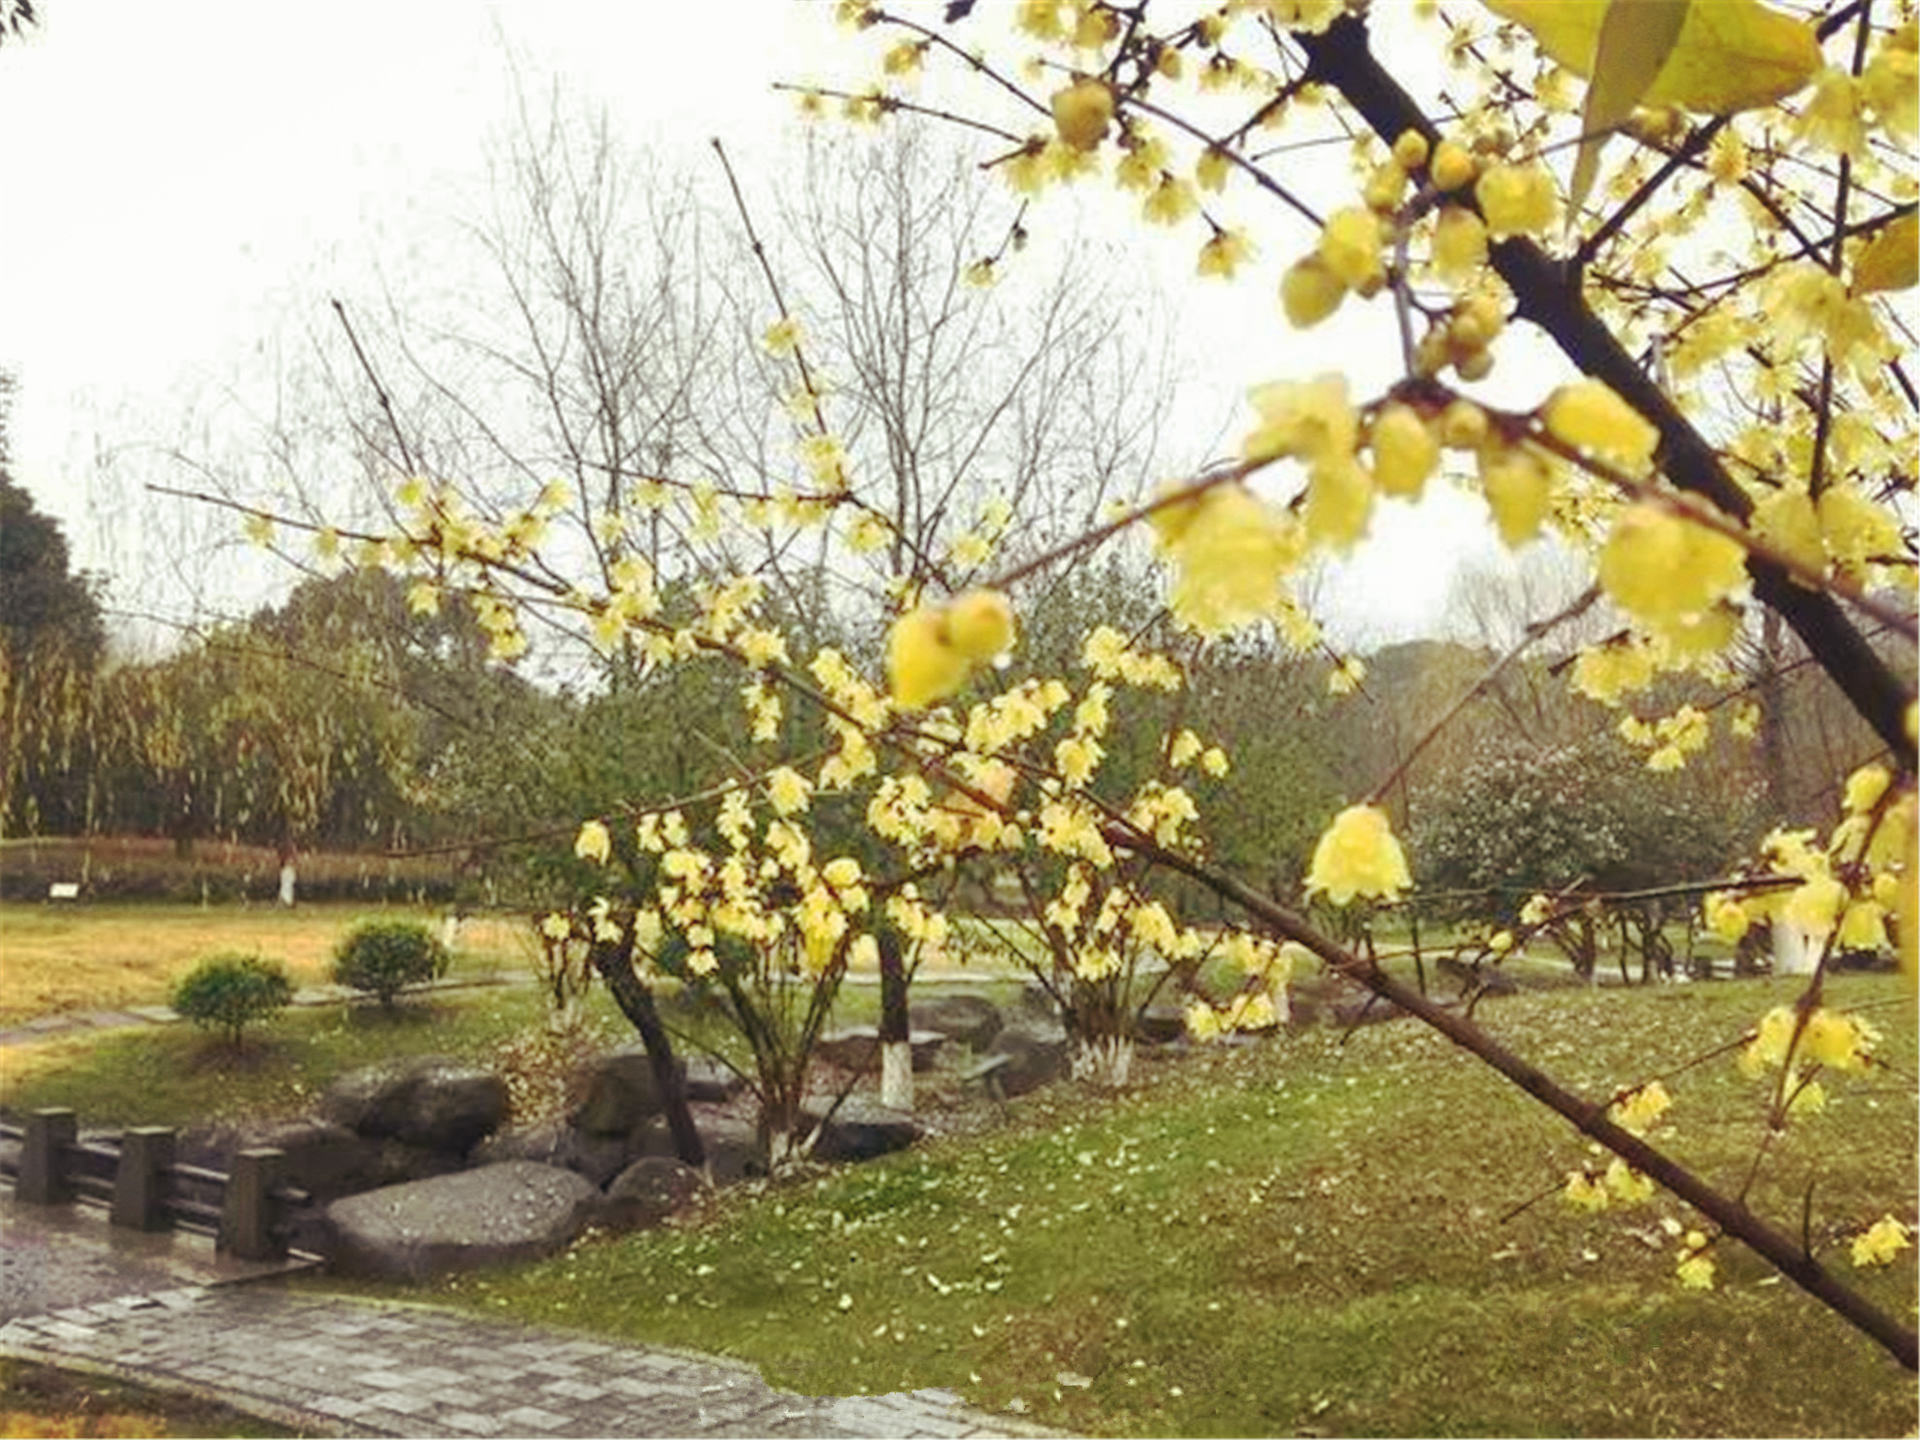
(593, 842)
(1517, 200)
(1814, 906)
(1856, 530)
(1725, 916)
(980, 624)
(1232, 549)
(1640, 1110)
(782, 337)
(1358, 855)
(1519, 491)
(1224, 253)
(931, 650)
(1082, 112)
(1695, 1270)
(922, 664)
(1170, 201)
(1837, 1041)
(1339, 502)
(1589, 416)
(1880, 1242)
(1662, 569)
(1583, 1193)
(788, 789)
(1350, 248)
(1865, 787)
(1405, 451)
(1310, 292)
(1787, 521)
(1626, 1185)
(1307, 419)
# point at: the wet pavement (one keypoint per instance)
(166, 1311)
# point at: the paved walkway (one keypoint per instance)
(347, 1366)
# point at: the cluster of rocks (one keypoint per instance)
(413, 1169)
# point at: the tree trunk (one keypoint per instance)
(615, 964)
(896, 1044)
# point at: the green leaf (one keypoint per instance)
(1636, 37)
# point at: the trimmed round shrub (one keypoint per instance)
(231, 991)
(383, 957)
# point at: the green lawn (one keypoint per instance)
(103, 956)
(1309, 1237)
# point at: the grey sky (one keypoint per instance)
(182, 182)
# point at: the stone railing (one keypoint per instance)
(247, 1210)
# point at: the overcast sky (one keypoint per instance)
(184, 184)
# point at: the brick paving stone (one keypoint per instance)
(574, 1390)
(340, 1405)
(406, 1404)
(471, 1423)
(534, 1418)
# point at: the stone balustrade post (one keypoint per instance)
(140, 1184)
(246, 1219)
(46, 1176)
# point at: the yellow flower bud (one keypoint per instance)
(1463, 426)
(922, 664)
(1310, 292)
(1405, 451)
(1518, 488)
(980, 624)
(1459, 241)
(1410, 150)
(1453, 166)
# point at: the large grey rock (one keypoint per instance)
(517, 1210)
(433, 1101)
(861, 1131)
(1037, 1005)
(710, 1082)
(324, 1159)
(648, 1191)
(857, 1048)
(731, 1142)
(1033, 1059)
(554, 1142)
(450, 1106)
(973, 1020)
(1160, 1024)
(617, 1092)
(368, 1101)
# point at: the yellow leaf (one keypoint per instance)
(1636, 37)
(1891, 259)
(1731, 54)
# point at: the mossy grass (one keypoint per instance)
(1311, 1236)
(44, 1400)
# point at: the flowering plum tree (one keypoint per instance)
(1691, 220)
